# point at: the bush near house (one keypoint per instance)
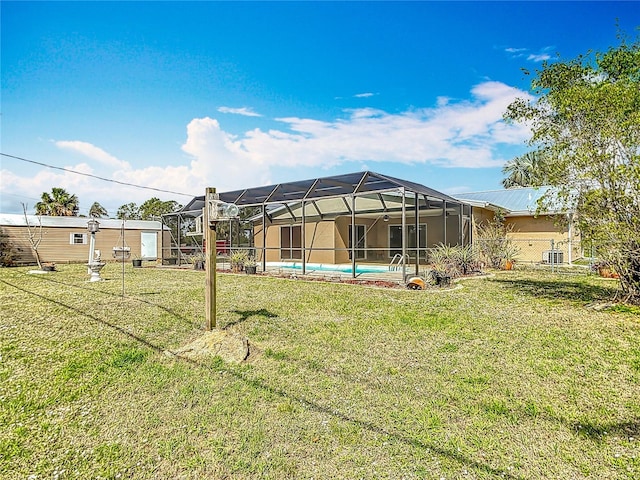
(7, 251)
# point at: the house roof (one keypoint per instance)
(513, 201)
(17, 220)
(359, 183)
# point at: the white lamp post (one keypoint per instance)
(94, 264)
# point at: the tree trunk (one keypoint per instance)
(628, 267)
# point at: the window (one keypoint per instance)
(291, 243)
(395, 239)
(361, 234)
(78, 239)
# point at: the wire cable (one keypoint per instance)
(95, 176)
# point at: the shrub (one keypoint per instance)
(238, 259)
(453, 261)
(7, 252)
(492, 244)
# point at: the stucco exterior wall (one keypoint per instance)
(318, 237)
(543, 226)
(480, 216)
(342, 226)
(534, 235)
(328, 241)
(272, 242)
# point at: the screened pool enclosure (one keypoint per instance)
(357, 224)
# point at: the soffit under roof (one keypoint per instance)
(369, 204)
(359, 183)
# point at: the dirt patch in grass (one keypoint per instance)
(228, 346)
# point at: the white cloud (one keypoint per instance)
(87, 189)
(364, 95)
(532, 57)
(219, 159)
(453, 133)
(540, 57)
(460, 134)
(93, 152)
(247, 112)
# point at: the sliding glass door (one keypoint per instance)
(291, 242)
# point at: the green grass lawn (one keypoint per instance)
(514, 376)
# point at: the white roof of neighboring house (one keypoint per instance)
(17, 220)
(513, 201)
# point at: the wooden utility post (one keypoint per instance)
(210, 264)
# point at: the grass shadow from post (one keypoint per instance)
(246, 314)
(559, 289)
(600, 431)
(120, 296)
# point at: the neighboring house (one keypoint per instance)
(532, 232)
(66, 239)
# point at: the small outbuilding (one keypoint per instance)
(66, 239)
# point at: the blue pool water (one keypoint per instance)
(321, 267)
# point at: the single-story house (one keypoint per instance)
(315, 221)
(541, 237)
(394, 221)
(66, 239)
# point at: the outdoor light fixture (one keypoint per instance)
(93, 226)
(385, 218)
(94, 265)
(219, 210)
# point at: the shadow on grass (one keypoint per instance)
(84, 313)
(245, 314)
(116, 295)
(263, 386)
(560, 289)
(600, 431)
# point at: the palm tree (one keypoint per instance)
(59, 203)
(524, 171)
(97, 211)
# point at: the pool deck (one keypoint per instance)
(325, 273)
(382, 272)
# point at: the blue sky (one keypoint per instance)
(184, 95)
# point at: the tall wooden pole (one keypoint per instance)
(210, 264)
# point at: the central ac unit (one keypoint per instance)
(553, 256)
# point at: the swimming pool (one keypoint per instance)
(327, 267)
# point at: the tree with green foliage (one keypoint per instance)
(586, 117)
(128, 211)
(59, 203)
(151, 209)
(524, 171)
(97, 211)
(154, 208)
